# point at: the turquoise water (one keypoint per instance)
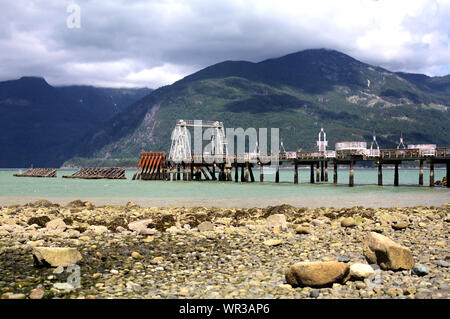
(15, 190)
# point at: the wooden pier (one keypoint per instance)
(38, 172)
(155, 165)
(99, 173)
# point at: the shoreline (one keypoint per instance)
(210, 252)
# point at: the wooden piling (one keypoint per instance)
(351, 176)
(380, 174)
(242, 173)
(396, 175)
(246, 172)
(296, 173)
(322, 171)
(326, 171)
(236, 173)
(317, 172)
(252, 178)
(448, 174)
(335, 174)
(261, 173)
(184, 172)
(421, 173)
(432, 175)
(277, 174)
(178, 172)
(311, 178)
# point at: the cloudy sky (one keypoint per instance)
(153, 43)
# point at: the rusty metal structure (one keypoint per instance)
(152, 166)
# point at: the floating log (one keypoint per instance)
(99, 173)
(38, 172)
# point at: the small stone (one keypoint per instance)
(276, 221)
(314, 293)
(375, 266)
(205, 226)
(343, 259)
(10, 295)
(273, 242)
(420, 270)
(148, 239)
(37, 293)
(360, 271)
(96, 275)
(114, 271)
(360, 285)
(58, 270)
(56, 225)
(400, 225)
(158, 259)
(302, 230)
(63, 286)
(442, 263)
(348, 222)
(136, 255)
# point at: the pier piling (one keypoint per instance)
(326, 171)
(431, 174)
(335, 174)
(421, 173)
(351, 176)
(380, 174)
(295, 173)
(396, 175)
(311, 179)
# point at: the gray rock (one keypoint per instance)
(442, 263)
(314, 293)
(420, 270)
(344, 259)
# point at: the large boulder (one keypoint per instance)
(55, 256)
(317, 274)
(389, 255)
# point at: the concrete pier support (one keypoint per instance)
(335, 174)
(326, 171)
(396, 175)
(351, 175)
(380, 174)
(295, 173)
(184, 172)
(322, 171)
(261, 173)
(317, 172)
(421, 173)
(431, 174)
(277, 174)
(311, 179)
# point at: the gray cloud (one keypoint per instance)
(154, 43)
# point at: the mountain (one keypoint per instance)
(298, 93)
(40, 123)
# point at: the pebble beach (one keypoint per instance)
(211, 252)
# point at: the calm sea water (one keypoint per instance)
(15, 190)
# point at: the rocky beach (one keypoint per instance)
(85, 251)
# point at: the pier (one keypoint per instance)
(181, 165)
